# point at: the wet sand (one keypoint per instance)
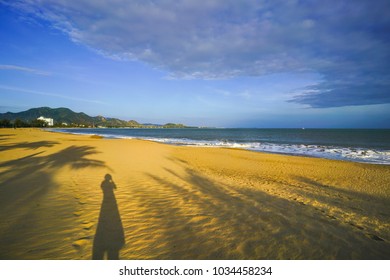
(81, 197)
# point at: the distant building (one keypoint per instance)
(48, 121)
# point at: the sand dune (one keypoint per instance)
(174, 202)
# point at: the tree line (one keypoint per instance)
(5, 123)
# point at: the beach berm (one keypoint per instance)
(66, 196)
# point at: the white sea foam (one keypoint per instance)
(321, 151)
(331, 152)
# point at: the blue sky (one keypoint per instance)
(223, 63)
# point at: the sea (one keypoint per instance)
(357, 145)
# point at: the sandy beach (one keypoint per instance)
(68, 196)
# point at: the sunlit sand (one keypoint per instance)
(80, 197)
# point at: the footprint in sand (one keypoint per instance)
(356, 226)
(318, 209)
(78, 244)
(81, 242)
(87, 226)
(374, 237)
(77, 213)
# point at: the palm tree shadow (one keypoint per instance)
(109, 237)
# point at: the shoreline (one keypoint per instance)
(177, 202)
(300, 150)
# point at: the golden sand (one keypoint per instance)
(168, 202)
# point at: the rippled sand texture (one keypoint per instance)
(167, 202)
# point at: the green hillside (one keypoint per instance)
(66, 117)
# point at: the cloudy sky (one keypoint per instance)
(225, 63)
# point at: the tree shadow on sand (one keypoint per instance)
(205, 218)
(33, 173)
(109, 237)
(28, 145)
(24, 181)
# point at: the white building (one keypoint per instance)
(48, 121)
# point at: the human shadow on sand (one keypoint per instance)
(109, 237)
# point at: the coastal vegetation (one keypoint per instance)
(64, 117)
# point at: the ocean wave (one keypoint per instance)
(339, 153)
(331, 152)
(320, 151)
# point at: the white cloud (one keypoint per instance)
(246, 95)
(228, 38)
(308, 23)
(37, 92)
(23, 69)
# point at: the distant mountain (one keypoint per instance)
(66, 116)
